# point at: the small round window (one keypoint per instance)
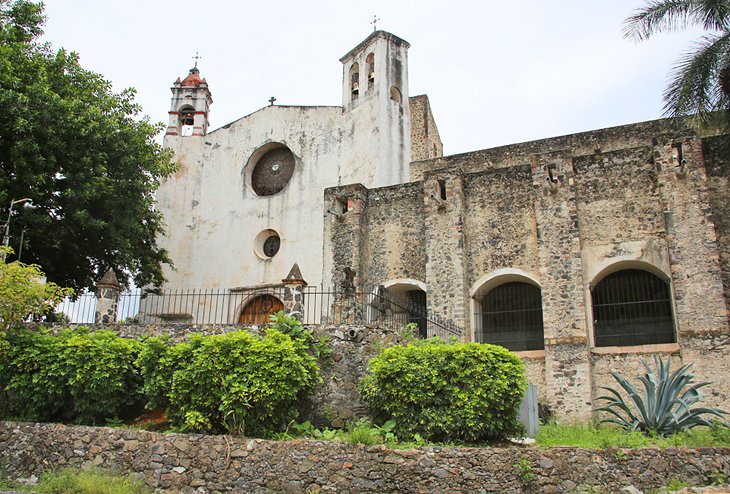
(272, 171)
(267, 244)
(271, 245)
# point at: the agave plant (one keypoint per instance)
(665, 407)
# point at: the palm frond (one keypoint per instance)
(659, 16)
(695, 87)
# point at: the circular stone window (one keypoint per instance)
(272, 171)
(267, 243)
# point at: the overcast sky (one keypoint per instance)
(495, 72)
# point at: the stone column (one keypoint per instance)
(107, 298)
(443, 197)
(567, 351)
(293, 293)
(701, 312)
(343, 250)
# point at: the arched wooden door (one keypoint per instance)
(258, 309)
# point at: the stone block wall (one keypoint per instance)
(617, 196)
(425, 139)
(561, 213)
(191, 463)
(394, 239)
(716, 151)
(499, 222)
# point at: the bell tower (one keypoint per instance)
(375, 101)
(191, 100)
(376, 68)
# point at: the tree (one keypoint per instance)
(25, 293)
(700, 81)
(83, 154)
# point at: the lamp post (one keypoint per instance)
(6, 237)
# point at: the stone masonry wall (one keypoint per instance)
(500, 224)
(617, 196)
(394, 243)
(425, 139)
(716, 152)
(581, 144)
(191, 463)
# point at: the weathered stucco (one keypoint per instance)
(212, 213)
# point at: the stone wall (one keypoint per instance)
(561, 213)
(581, 144)
(394, 245)
(716, 151)
(425, 139)
(188, 463)
(617, 195)
(500, 224)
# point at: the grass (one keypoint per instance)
(603, 437)
(88, 481)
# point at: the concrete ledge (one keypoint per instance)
(664, 348)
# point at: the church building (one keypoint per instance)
(584, 254)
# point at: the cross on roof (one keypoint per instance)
(271, 101)
(196, 57)
(374, 22)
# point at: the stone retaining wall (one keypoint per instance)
(191, 463)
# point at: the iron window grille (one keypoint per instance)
(512, 317)
(632, 307)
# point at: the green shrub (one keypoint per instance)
(446, 391)
(237, 382)
(76, 376)
(23, 294)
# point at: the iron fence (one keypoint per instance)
(254, 306)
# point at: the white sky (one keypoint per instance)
(495, 72)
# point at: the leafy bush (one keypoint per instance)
(446, 391)
(77, 375)
(24, 294)
(237, 382)
(664, 407)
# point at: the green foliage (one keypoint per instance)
(23, 294)
(323, 351)
(676, 484)
(85, 155)
(606, 437)
(700, 83)
(408, 333)
(718, 477)
(71, 481)
(362, 431)
(236, 383)
(665, 406)
(524, 471)
(291, 326)
(76, 376)
(446, 391)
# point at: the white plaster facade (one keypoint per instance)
(212, 213)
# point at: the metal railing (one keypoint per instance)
(253, 307)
